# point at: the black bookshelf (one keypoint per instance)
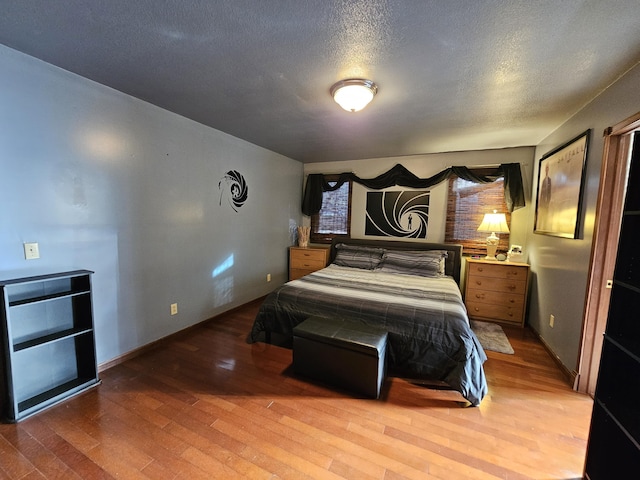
(614, 439)
(48, 343)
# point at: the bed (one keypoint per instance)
(409, 288)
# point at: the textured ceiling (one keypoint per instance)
(452, 74)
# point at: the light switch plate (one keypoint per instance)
(31, 251)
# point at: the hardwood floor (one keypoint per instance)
(208, 405)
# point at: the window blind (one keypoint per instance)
(466, 205)
(334, 218)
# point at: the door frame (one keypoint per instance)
(613, 179)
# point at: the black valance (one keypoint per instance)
(399, 175)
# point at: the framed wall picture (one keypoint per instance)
(397, 214)
(560, 186)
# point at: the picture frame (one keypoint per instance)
(560, 188)
(402, 213)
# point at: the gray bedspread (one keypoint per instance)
(429, 332)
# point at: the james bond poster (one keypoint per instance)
(397, 214)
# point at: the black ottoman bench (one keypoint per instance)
(341, 352)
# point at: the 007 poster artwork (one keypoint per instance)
(560, 188)
(397, 214)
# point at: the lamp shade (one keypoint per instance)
(494, 223)
(353, 94)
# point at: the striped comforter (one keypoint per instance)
(429, 332)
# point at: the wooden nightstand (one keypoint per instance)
(305, 260)
(496, 291)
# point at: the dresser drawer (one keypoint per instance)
(496, 291)
(495, 312)
(503, 285)
(495, 298)
(511, 272)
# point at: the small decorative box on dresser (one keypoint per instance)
(496, 291)
(305, 260)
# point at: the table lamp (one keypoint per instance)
(494, 223)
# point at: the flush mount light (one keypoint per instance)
(353, 94)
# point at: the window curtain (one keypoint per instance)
(399, 175)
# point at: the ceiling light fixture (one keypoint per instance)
(353, 94)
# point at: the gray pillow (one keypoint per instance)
(356, 256)
(425, 263)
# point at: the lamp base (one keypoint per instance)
(491, 252)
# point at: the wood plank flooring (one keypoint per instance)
(207, 405)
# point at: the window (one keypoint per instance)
(334, 217)
(466, 205)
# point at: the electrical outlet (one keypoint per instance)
(268, 277)
(31, 251)
(174, 309)
(552, 320)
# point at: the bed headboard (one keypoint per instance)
(453, 263)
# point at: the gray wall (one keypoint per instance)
(560, 266)
(109, 183)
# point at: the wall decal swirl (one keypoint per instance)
(397, 214)
(234, 187)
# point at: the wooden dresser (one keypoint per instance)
(496, 291)
(305, 260)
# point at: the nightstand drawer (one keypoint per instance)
(295, 273)
(503, 285)
(495, 312)
(309, 262)
(495, 298)
(505, 270)
(303, 261)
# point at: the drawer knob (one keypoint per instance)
(480, 295)
(511, 287)
(478, 282)
(476, 309)
(480, 269)
(511, 300)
